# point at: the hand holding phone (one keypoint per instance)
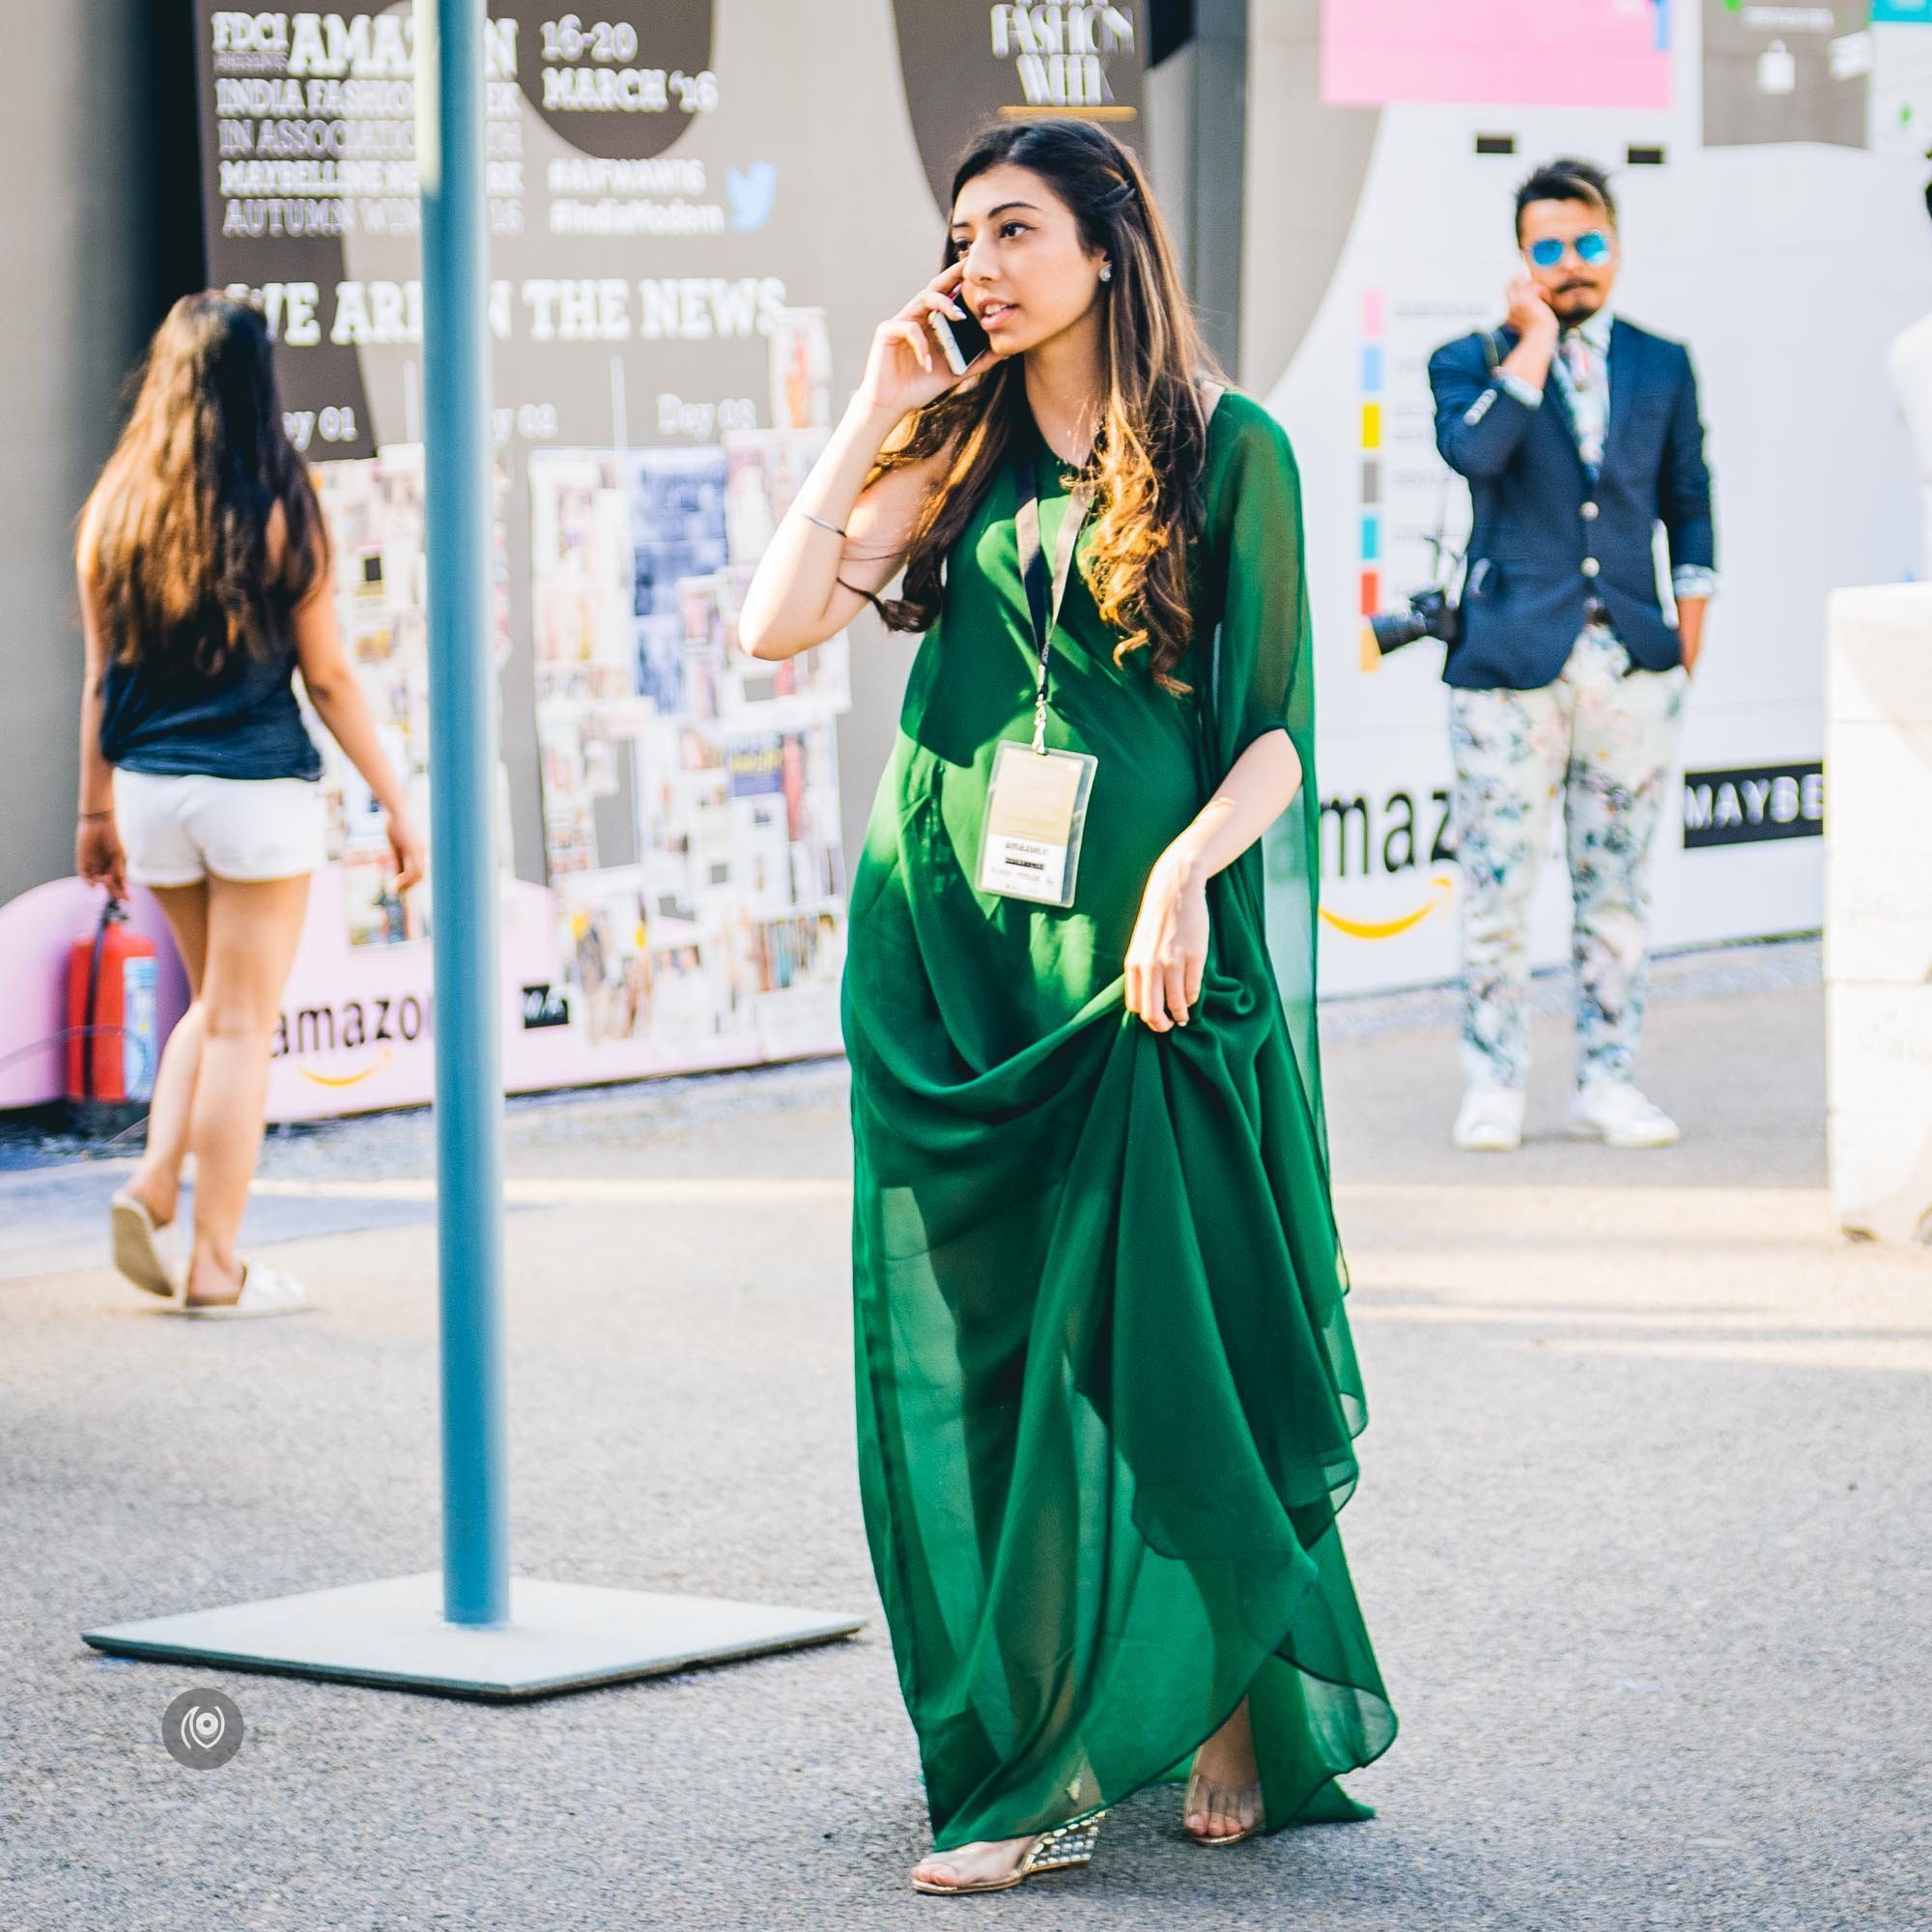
(961, 340)
(908, 367)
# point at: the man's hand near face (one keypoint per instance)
(1529, 310)
(1535, 323)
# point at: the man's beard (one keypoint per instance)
(1576, 304)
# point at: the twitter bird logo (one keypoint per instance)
(750, 191)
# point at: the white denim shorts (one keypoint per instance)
(175, 830)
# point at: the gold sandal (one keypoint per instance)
(1229, 1801)
(1063, 1850)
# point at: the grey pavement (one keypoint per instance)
(51, 1218)
(1644, 1533)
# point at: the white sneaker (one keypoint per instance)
(1615, 1113)
(1491, 1120)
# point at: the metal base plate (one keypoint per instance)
(560, 1636)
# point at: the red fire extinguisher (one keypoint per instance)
(111, 1043)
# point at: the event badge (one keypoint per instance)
(1036, 813)
(1037, 799)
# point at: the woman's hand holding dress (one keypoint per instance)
(1168, 953)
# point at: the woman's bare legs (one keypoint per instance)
(1227, 1761)
(156, 1183)
(253, 930)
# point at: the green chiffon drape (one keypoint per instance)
(1106, 1392)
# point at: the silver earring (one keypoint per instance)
(1106, 272)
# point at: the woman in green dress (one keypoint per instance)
(1106, 1392)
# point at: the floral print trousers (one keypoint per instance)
(1604, 737)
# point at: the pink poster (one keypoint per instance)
(1518, 53)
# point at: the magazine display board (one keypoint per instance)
(698, 213)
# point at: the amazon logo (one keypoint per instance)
(1403, 839)
(376, 1024)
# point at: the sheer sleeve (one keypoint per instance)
(1262, 679)
(1254, 518)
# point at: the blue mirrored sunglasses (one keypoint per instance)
(1592, 246)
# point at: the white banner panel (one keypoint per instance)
(1745, 247)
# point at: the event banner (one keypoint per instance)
(967, 64)
(670, 809)
(698, 215)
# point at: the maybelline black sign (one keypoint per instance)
(1750, 805)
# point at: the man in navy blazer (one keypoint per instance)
(1580, 436)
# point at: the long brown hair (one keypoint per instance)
(180, 524)
(1151, 446)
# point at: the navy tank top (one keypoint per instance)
(161, 716)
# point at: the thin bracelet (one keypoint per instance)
(819, 521)
(93, 815)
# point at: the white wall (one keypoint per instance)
(1751, 255)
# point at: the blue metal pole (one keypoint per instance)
(463, 808)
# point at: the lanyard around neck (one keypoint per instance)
(1044, 595)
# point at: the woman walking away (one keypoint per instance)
(204, 582)
(1105, 1388)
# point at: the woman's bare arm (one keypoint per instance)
(96, 774)
(796, 600)
(1167, 956)
(1255, 793)
(98, 857)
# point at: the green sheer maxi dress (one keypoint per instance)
(1106, 1392)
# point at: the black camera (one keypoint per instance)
(1431, 614)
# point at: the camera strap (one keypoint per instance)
(1044, 595)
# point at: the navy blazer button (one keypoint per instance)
(1589, 511)
(1591, 566)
